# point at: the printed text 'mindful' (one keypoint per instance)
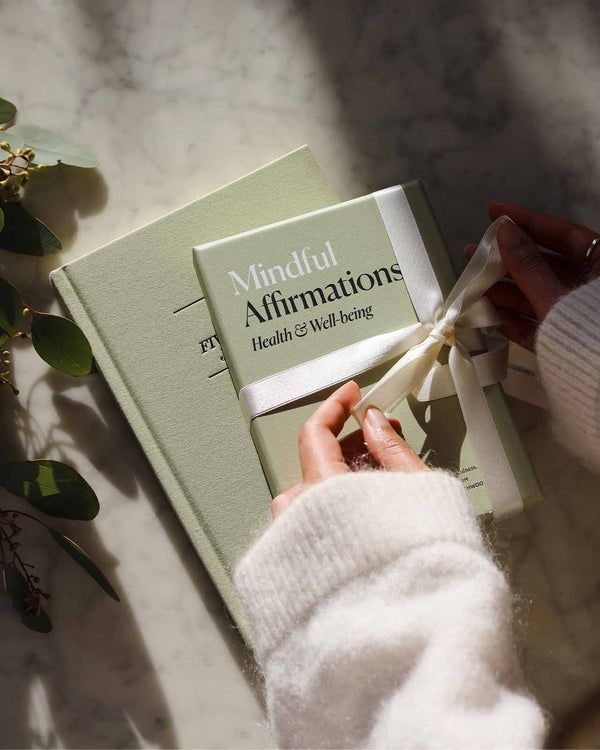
(302, 263)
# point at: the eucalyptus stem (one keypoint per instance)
(22, 513)
(31, 581)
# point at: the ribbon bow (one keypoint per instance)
(455, 322)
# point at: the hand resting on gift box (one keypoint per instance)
(537, 279)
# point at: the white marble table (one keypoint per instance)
(176, 98)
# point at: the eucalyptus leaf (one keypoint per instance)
(50, 149)
(23, 233)
(74, 550)
(61, 344)
(11, 309)
(16, 588)
(52, 487)
(7, 111)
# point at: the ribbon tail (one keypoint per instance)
(522, 378)
(490, 367)
(493, 463)
(400, 380)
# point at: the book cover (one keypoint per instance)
(284, 294)
(137, 300)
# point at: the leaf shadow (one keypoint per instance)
(86, 421)
(94, 440)
(62, 194)
(69, 664)
(59, 196)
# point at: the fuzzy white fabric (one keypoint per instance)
(379, 618)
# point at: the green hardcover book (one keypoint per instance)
(300, 289)
(137, 300)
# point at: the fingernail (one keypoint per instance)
(376, 418)
(510, 235)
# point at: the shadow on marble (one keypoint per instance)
(63, 686)
(94, 665)
(89, 683)
(435, 91)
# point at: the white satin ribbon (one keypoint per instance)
(454, 322)
(522, 379)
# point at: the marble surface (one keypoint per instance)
(479, 99)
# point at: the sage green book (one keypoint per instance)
(137, 300)
(302, 288)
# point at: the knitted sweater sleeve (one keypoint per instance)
(568, 353)
(379, 620)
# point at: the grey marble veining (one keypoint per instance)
(479, 99)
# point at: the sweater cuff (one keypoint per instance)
(347, 526)
(568, 353)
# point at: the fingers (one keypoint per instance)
(536, 287)
(285, 499)
(516, 328)
(562, 236)
(506, 294)
(516, 313)
(320, 452)
(529, 269)
(390, 450)
(353, 447)
(569, 275)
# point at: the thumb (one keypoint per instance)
(385, 445)
(529, 269)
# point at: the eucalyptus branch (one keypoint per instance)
(52, 487)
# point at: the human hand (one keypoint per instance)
(539, 280)
(322, 455)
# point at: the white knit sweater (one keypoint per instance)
(379, 618)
